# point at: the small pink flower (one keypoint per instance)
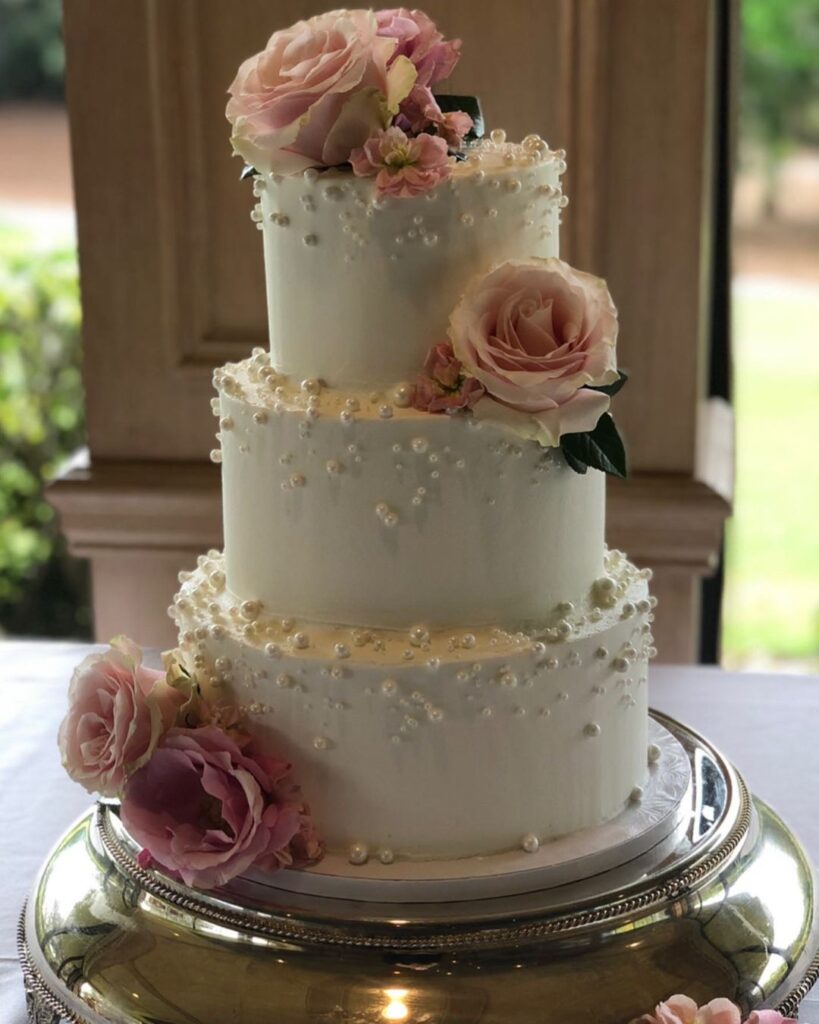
(443, 386)
(402, 166)
(206, 811)
(419, 40)
(535, 332)
(318, 90)
(117, 711)
(420, 112)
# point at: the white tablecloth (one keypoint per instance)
(766, 724)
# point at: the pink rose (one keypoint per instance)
(678, 1009)
(443, 386)
(420, 41)
(534, 332)
(718, 1011)
(316, 92)
(420, 111)
(117, 711)
(205, 810)
(769, 1017)
(402, 166)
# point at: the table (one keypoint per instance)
(766, 724)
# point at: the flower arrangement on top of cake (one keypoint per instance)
(352, 87)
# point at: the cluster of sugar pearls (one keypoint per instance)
(204, 594)
(485, 162)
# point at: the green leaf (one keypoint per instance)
(601, 448)
(248, 171)
(573, 463)
(469, 105)
(610, 389)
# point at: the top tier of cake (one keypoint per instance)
(359, 288)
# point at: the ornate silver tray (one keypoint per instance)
(724, 906)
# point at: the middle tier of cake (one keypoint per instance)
(355, 508)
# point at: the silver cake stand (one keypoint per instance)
(724, 906)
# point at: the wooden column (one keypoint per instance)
(172, 279)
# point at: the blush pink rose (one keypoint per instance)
(718, 1011)
(443, 386)
(534, 332)
(205, 810)
(117, 711)
(402, 166)
(419, 40)
(316, 92)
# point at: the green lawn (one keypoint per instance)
(771, 608)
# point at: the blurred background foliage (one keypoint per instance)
(780, 81)
(32, 59)
(42, 590)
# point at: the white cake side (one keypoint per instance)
(346, 508)
(442, 743)
(359, 288)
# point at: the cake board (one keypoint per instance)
(723, 904)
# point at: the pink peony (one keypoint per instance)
(402, 166)
(534, 332)
(206, 811)
(117, 711)
(419, 40)
(443, 386)
(316, 92)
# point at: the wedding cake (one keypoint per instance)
(415, 607)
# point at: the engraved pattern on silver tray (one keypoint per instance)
(669, 890)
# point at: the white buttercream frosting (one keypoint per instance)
(359, 288)
(345, 507)
(439, 743)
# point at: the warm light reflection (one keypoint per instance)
(396, 1008)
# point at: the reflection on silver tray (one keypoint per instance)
(726, 908)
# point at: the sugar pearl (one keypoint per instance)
(530, 843)
(654, 753)
(358, 853)
(402, 395)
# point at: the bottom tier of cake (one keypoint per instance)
(439, 744)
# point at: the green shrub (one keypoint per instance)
(31, 49)
(43, 592)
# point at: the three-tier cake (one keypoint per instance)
(415, 607)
